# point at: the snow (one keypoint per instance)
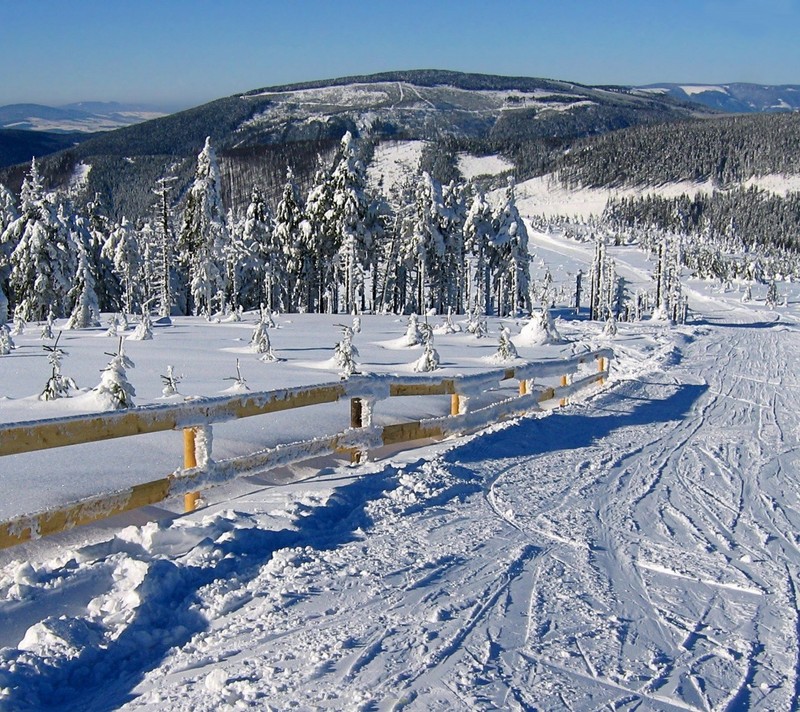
(692, 89)
(637, 549)
(473, 166)
(393, 162)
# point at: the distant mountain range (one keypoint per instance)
(83, 117)
(736, 97)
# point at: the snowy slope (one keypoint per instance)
(636, 550)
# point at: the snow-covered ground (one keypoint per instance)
(637, 549)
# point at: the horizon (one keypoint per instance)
(197, 51)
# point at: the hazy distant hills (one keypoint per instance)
(84, 117)
(736, 97)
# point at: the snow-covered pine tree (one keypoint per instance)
(345, 353)
(86, 310)
(478, 232)
(144, 329)
(6, 342)
(204, 234)
(163, 252)
(352, 222)
(58, 385)
(122, 249)
(262, 273)
(413, 335)
(8, 214)
(43, 260)
(506, 351)
(290, 239)
(170, 381)
(114, 389)
(429, 361)
(509, 258)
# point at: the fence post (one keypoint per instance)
(564, 382)
(356, 421)
(458, 404)
(189, 462)
(601, 366)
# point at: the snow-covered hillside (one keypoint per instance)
(635, 550)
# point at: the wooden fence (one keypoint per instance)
(195, 419)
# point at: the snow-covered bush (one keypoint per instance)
(47, 327)
(239, 382)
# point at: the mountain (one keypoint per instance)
(258, 133)
(20, 146)
(87, 117)
(735, 97)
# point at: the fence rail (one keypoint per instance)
(196, 417)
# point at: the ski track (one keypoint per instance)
(637, 550)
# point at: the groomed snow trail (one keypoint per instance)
(638, 550)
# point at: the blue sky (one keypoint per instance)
(183, 52)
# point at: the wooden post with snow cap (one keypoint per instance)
(189, 462)
(564, 382)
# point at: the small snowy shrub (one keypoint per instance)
(144, 329)
(239, 382)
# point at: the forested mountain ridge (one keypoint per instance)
(265, 129)
(725, 150)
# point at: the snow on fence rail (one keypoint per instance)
(195, 418)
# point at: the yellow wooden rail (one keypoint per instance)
(194, 416)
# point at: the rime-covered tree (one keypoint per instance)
(122, 248)
(509, 259)
(296, 257)
(477, 234)
(86, 309)
(204, 234)
(43, 260)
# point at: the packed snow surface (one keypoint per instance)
(637, 549)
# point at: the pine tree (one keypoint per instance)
(114, 389)
(86, 312)
(509, 259)
(43, 261)
(204, 234)
(429, 361)
(294, 246)
(58, 385)
(123, 250)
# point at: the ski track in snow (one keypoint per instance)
(636, 550)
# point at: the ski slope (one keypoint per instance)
(635, 550)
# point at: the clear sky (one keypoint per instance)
(186, 52)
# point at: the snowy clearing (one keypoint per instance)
(635, 550)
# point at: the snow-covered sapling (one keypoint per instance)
(239, 382)
(6, 342)
(19, 322)
(356, 324)
(345, 353)
(429, 361)
(413, 335)
(477, 325)
(114, 387)
(610, 328)
(144, 329)
(170, 381)
(58, 385)
(449, 327)
(47, 327)
(772, 298)
(506, 351)
(113, 326)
